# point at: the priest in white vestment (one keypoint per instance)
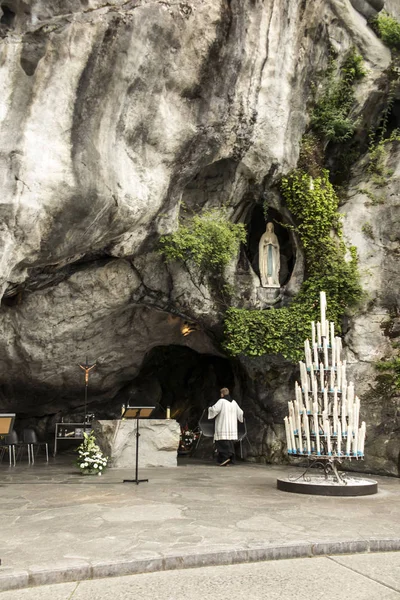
(226, 413)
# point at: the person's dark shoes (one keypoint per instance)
(223, 464)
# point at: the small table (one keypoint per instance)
(69, 431)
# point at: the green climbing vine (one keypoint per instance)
(388, 29)
(389, 375)
(331, 115)
(380, 140)
(331, 267)
(209, 240)
(387, 382)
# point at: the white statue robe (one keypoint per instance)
(226, 414)
(269, 259)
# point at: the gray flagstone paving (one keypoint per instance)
(58, 526)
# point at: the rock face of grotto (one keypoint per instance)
(114, 116)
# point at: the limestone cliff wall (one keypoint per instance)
(111, 113)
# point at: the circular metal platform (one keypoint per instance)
(320, 486)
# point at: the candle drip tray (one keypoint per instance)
(327, 481)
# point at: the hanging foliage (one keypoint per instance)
(209, 240)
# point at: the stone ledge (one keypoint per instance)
(158, 445)
(46, 575)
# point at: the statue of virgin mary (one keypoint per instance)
(269, 258)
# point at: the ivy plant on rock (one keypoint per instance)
(388, 29)
(210, 240)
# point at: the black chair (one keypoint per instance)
(31, 439)
(7, 445)
(14, 447)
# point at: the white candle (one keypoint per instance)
(315, 349)
(361, 442)
(339, 375)
(344, 415)
(305, 376)
(300, 434)
(298, 396)
(296, 416)
(335, 411)
(349, 411)
(322, 300)
(306, 401)
(307, 433)
(315, 389)
(319, 335)
(306, 386)
(326, 353)
(297, 391)
(334, 420)
(344, 389)
(296, 412)
(355, 428)
(339, 438)
(316, 427)
(301, 374)
(327, 332)
(349, 439)
(312, 333)
(350, 392)
(332, 379)
(288, 440)
(344, 375)
(333, 351)
(327, 429)
(321, 376)
(325, 398)
(332, 333)
(338, 344)
(291, 429)
(357, 414)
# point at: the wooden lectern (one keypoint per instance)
(137, 412)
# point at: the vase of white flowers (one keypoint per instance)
(91, 460)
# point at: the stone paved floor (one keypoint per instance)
(53, 518)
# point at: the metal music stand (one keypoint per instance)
(137, 412)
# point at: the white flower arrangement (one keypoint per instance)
(91, 460)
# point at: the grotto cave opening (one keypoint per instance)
(256, 228)
(181, 378)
